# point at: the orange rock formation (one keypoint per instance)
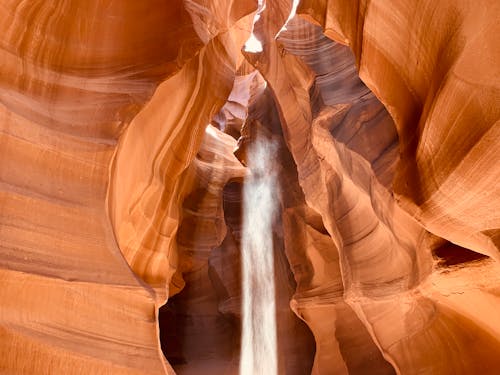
(124, 130)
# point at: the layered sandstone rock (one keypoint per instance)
(361, 123)
(381, 264)
(73, 77)
(434, 65)
(125, 126)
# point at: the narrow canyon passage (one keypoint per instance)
(344, 341)
(207, 332)
(249, 187)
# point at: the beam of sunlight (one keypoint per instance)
(260, 203)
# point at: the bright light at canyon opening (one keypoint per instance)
(259, 342)
(253, 44)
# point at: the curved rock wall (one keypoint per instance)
(145, 192)
(115, 195)
(397, 261)
(73, 74)
(434, 66)
(362, 123)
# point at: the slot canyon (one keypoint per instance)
(226, 187)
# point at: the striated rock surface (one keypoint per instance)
(124, 128)
(383, 254)
(442, 89)
(361, 122)
(144, 202)
(73, 76)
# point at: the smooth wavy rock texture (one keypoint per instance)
(126, 127)
(434, 65)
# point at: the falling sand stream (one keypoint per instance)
(260, 200)
(260, 203)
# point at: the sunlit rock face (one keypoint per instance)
(443, 92)
(126, 130)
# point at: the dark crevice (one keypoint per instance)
(450, 254)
